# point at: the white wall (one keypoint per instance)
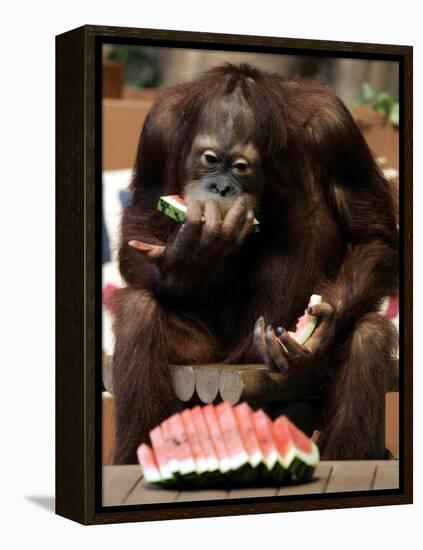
(27, 298)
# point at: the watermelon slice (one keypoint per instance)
(148, 464)
(182, 449)
(175, 207)
(263, 426)
(244, 418)
(307, 323)
(210, 417)
(205, 439)
(225, 444)
(231, 437)
(297, 453)
(170, 448)
(160, 452)
(194, 442)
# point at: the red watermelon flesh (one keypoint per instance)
(263, 427)
(158, 443)
(210, 417)
(301, 441)
(178, 199)
(171, 452)
(181, 445)
(194, 441)
(244, 418)
(205, 439)
(148, 464)
(231, 436)
(292, 443)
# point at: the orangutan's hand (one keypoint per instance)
(279, 349)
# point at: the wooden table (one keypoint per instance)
(124, 484)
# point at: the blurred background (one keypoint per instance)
(132, 75)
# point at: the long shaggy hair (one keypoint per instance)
(327, 225)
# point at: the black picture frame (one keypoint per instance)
(78, 276)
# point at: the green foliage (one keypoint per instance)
(367, 94)
(140, 65)
(395, 114)
(383, 103)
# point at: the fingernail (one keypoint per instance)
(269, 328)
(280, 331)
(250, 214)
(259, 321)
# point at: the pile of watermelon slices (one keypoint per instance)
(226, 445)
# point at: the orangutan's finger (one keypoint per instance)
(276, 350)
(151, 250)
(293, 347)
(321, 310)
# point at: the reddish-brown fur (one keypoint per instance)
(327, 225)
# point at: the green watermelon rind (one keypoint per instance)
(170, 210)
(300, 465)
(245, 476)
(202, 467)
(296, 466)
(193, 476)
(297, 470)
(312, 323)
